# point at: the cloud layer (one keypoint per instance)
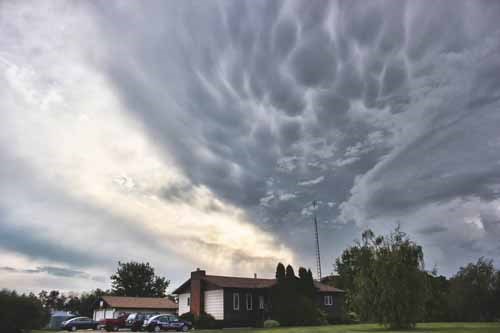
(198, 134)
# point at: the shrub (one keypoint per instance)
(353, 317)
(271, 323)
(205, 321)
(188, 316)
(21, 312)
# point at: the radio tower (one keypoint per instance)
(318, 256)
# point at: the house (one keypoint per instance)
(240, 301)
(113, 306)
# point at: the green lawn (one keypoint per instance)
(368, 328)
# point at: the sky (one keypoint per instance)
(198, 133)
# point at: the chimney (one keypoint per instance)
(196, 292)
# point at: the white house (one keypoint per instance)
(113, 306)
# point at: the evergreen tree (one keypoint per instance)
(290, 274)
(280, 272)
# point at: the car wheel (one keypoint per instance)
(157, 328)
(115, 328)
(185, 328)
(73, 328)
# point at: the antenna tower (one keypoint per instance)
(316, 236)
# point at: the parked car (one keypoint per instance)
(136, 320)
(114, 324)
(165, 323)
(78, 323)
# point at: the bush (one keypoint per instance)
(271, 323)
(204, 320)
(188, 316)
(21, 312)
(353, 318)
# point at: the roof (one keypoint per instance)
(139, 302)
(239, 282)
(325, 288)
(247, 283)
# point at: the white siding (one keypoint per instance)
(183, 303)
(104, 314)
(214, 303)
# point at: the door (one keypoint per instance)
(164, 322)
(86, 323)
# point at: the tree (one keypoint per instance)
(474, 292)
(21, 312)
(280, 272)
(138, 280)
(436, 304)
(293, 298)
(88, 301)
(384, 279)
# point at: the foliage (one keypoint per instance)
(138, 280)
(271, 323)
(203, 321)
(280, 272)
(436, 304)
(188, 316)
(475, 292)
(384, 278)
(293, 297)
(21, 312)
(88, 301)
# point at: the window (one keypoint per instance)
(189, 300)
(261, 302)
(236, 301)
(329, 300)
(249, 302)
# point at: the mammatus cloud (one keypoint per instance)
(199, 134)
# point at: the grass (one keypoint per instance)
(367, 328)
(370, 328)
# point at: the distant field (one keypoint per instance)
(367, 328)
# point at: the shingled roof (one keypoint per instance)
(139, 302)
(239, 282)
(325, 288)
(247, 283)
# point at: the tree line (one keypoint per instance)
(20, 312)
(386, 282)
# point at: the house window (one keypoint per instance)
(236, 301)
(329, 300)
(249, 302)
(261, 302)
(189, 300)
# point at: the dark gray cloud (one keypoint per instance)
(383, 112)
(55, 271)
(314, 93)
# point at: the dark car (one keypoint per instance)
(166, 323)
(79, 323)
(136, 320)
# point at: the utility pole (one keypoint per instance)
(318, 256)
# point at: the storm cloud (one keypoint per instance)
(188, 124)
